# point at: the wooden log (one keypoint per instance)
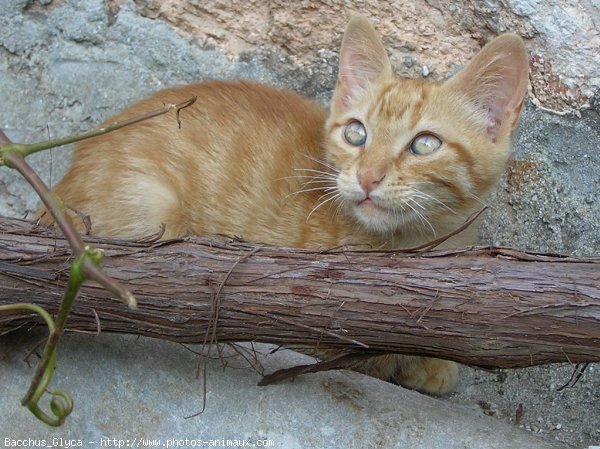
(490, 307)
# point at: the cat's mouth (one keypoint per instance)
(370, 205)
(368, 202)
(374, 216)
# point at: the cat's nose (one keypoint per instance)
(369, 180)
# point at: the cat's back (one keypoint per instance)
(232, 155)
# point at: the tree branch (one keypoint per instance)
(86, 263)
(491, 307)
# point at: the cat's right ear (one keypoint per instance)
(363, 62)
(494, 84)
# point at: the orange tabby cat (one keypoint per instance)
(393, 163)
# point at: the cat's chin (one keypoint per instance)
(375, 218)
(385, 221)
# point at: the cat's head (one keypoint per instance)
(409, 154)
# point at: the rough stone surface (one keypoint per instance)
(122, 394)
(562, 35)
(549, 200)
(66, 66)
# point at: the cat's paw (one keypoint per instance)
(431, 376)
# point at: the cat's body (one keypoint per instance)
(259, 182)
(395, 163)
(242, 176)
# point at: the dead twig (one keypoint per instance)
(342, 362)
(86, 262)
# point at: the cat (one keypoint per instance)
(393, 163)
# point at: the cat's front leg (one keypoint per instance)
(426, 374)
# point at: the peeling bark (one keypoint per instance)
(491, 307)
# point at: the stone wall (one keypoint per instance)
(424, 37)
(66, 65)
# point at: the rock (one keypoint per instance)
(123, 395)
(564, 46)
(66, 66)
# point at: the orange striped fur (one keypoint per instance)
(270, 166)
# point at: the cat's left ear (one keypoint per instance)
(363, 62)
(495, 83)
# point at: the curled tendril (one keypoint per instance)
(61, 406)
(86, 264)
(34, 308)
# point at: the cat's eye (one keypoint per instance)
(425, 144)
(355, 133)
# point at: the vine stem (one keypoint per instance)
(85, 266)
(28, 149)
(14, 159)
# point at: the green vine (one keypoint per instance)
(85, 266)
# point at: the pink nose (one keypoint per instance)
(369, 180)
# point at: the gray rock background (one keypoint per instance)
(67, 65)
(135, 397)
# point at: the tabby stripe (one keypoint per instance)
(417, 109)
(378, 106)
(453, 187)
(466, 158)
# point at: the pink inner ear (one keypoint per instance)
(342, 98)
(497, 95)
(345, 65)
(363, 60)
(347, 79)
(495, 113)
(354, 75)
(495, 83)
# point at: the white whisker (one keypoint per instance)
(323, 163)
(421, 217)
(312, 170)
(338, 208)
(419, 205)
(480, 201)
(332, 196)
(329, 178)
(324, 182)
(426, 196)
(326, 189)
